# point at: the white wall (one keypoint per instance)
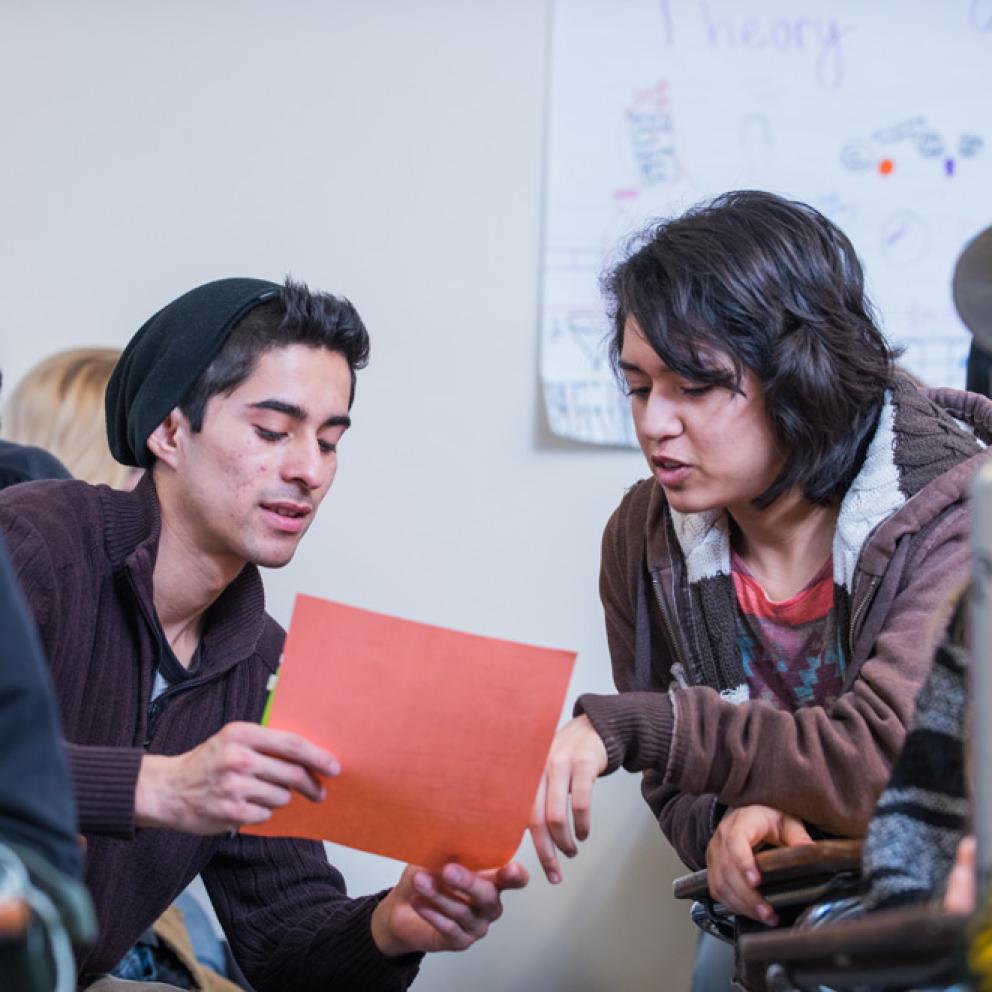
(390, 151)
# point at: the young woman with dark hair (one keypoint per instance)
(774, 592)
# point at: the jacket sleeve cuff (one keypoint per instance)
(104, 781)
(636, 728)
(366, 965)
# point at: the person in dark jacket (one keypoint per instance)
(234, 398)
(41, 860)
(26, 463)
(42, 817)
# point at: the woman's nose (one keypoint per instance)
(659, 417)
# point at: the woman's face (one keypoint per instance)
(707, 446)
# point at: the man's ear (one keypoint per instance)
(164, 442)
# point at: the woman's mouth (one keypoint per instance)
(669, 471)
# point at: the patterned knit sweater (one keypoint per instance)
(924, 810)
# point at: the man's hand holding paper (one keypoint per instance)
(441, 737)
(449, 911)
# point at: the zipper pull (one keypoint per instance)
(153, 712)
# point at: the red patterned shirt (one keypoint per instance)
(792, 651)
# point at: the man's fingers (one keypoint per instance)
(480, 888)
(288, 775)
(461, 895)
(255, 792)
(480, 891)
(511, 876)
(284, 744)
(455, 937)
(239, 814)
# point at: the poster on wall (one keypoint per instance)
(875, 113)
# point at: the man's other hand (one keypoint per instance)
(236, 777)
(449, 911)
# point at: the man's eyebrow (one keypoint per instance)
(290, 409)
(298, 413)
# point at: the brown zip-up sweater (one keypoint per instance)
(84, 556)
(683, 717)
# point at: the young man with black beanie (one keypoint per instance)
(234, 397)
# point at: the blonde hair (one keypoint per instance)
(58, 406)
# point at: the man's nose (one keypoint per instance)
(306, 464)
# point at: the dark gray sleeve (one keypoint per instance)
(36, 807)
(923, 811)
(291, 924)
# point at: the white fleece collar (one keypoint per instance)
(873, 497)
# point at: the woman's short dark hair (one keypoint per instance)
(778, 288)
(297, 316)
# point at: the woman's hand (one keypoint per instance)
(577, 758)
(733, 874)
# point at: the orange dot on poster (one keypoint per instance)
(886, 166)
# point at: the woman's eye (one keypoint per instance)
(267, 435)
(327, 447)
(696, 390)
(631, 390)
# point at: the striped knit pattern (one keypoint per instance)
(923, 812)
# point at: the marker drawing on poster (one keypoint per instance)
(876, 114)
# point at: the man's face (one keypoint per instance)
(250, 482)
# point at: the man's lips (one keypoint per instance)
(287, 515)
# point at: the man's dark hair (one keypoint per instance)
(779, 289)
(296, 316)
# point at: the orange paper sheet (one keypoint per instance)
(442, 736)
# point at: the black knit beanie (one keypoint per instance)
(167, 355)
